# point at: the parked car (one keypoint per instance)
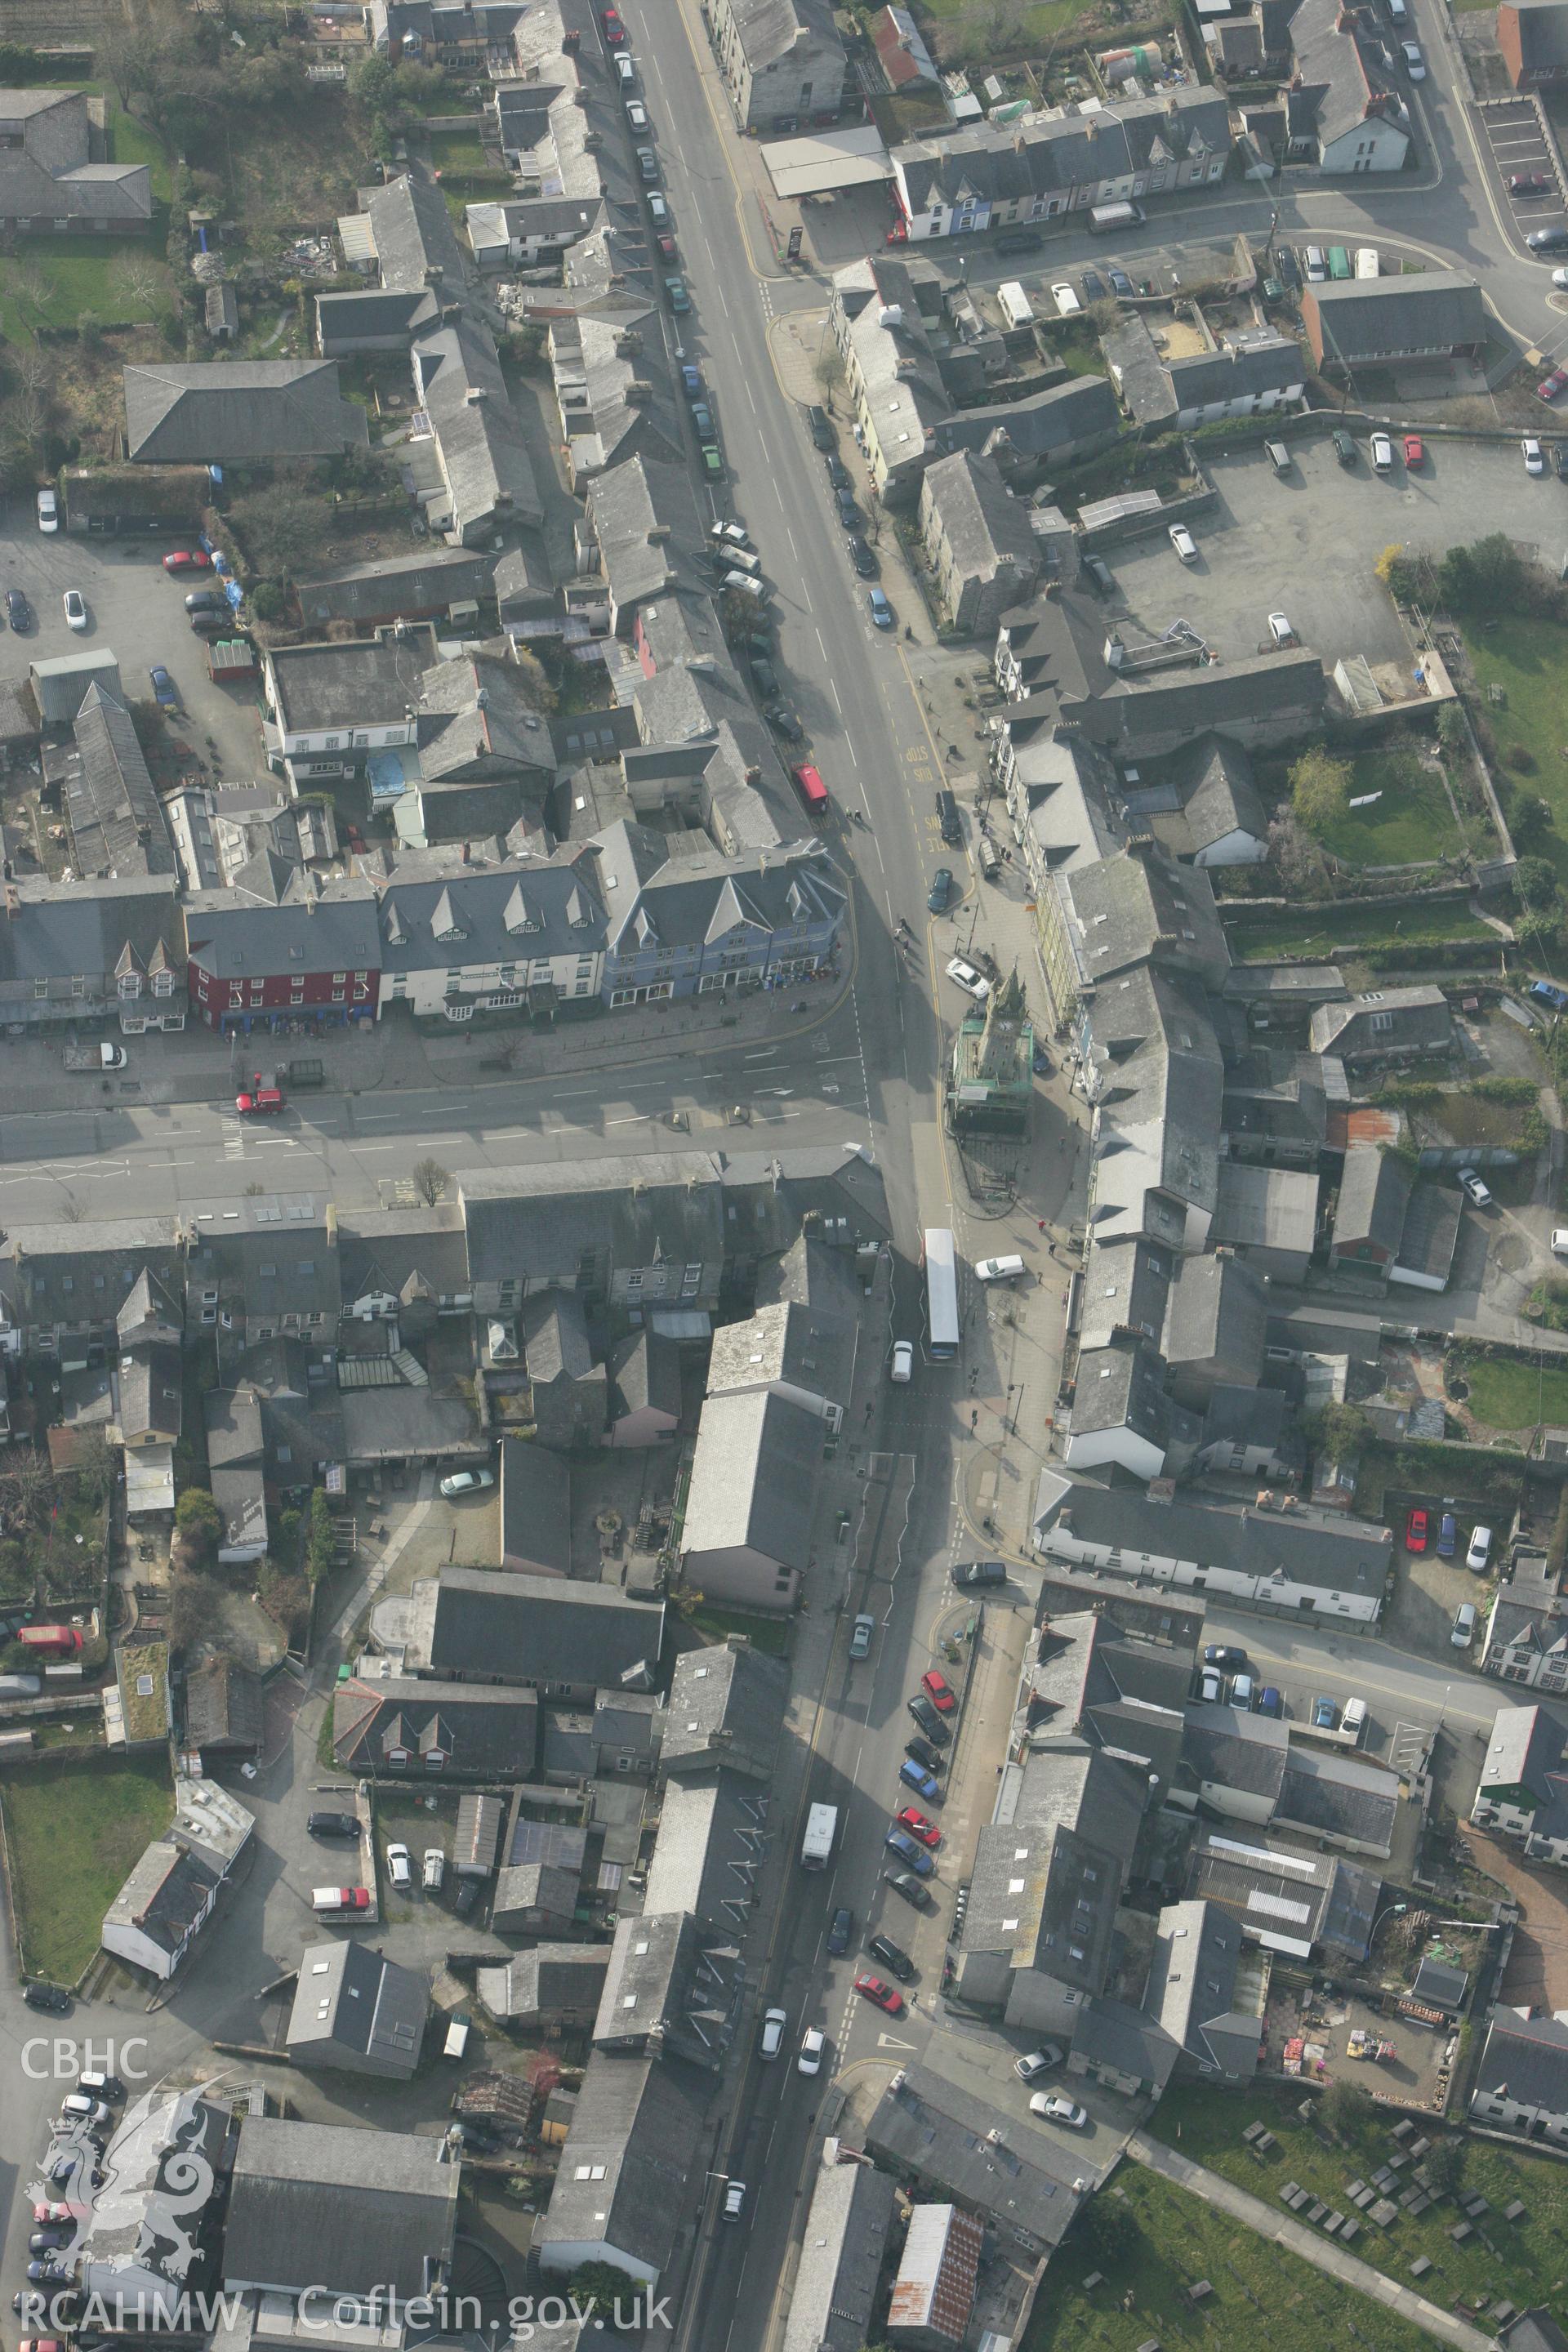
(1548, 240)
(770, 2041)
(1447, 1536)
(1121, 284)
(636, 114)
(1551, 385)
(187, 559)
(938, 1690)
(1529, 184)
(1475, 1191)
(206, 600)
(905, 1884)
(1546, 991)
(910, 1817)
(1243, 1693)
(1055, 2108)
(676, 295)
(49, 513)
(924, 1753)
(838, 472)
(902, 1367)
(434, 1871)
(1416, 1529)
(1093, 285)
(1560, 1241)
(898, 1842)
(861, 1637)
(1325, 1715)
(1463, 1632)
(735, 2202)
(840, 1930)
(1534, 457)
(1354, 1717)
(1270, 1702)
(341, 1898)
(860, 555)
(1481, 1550)
(813, 2042)
(1181, 539)
(929, 1722)
(880, 610)
(18, 612)
(400, 1865)
(1067, 302)
(1018, 241)
(820, 426)
(915, 1776)
(892, 1956)
(1414, 454)
(963, 975)
(1210, 1686)
(783, 722)
(1414, 63)
(1559, 455)
(1221, 1654)
(1280, 630)
(76, 609)
(884, 1995)
(1381, 453)
(52, 1998)
(940, 890)
(614, 31)
(1038, 2061)
(163, 693)
(980, 1571)
(467, 1482)
(333, 1826)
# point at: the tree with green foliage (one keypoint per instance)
(1488, 576)
(279, 527)
(597, 2288)
(320, 1540)
(1344, 2107)
(1445, 2163)
(1535, 882)
(196, 1519)
(1320, 791)
(1337, 1432)
(269, 600)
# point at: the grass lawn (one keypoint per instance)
(1507, 1395)
(769, 1634)
(74, 1831)
(1529, 660)
(1315, 931)
(458, 151)
(1166, 2242)
(1521, 2260)
(74, 274)
(131, 142)
(1410, 823)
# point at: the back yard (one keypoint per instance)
(1521, 2261)
(1522, 668)
(1317, 933)
(1509, 1395)
(73, 1830)
(1153, 2241)
(1408, 824)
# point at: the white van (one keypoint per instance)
(1463, 1632)
(775, 2022)
(1354, 1719)
(999, 1269)
(456, 2040)
(81, 2109)
(986, 850)
(1366, 261)
(626, 72)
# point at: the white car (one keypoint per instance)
(1473, 1190)
(1279, 629)
(965, 976)
(400, 1865)
(1067, 302)
(1354, 1719)
(1534, 456)
(435, 1869)
(1211, 1690)
(76, 609)
(1560, 1241)
(1414, 63)
(903, 1366)
(1057, 2109)
(775, 2024)
(49, 512)
(1181, 539)
(1560, 277)
(734, 2200)
(1481, 1550)
(467, 1482)
(999, 1269)
(812, 2043)
(1038, 2061)
(636, 114)
(1381, 453)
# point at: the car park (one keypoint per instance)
(1447, 1536)
(892, 1956)
(813, 2042)
(1055, 2108)
(963, 975)
(914, 1855)
(910, 1817)
(1121, 284)
(1381, 453)
(902, 1365)
(1414, 454)
(915, 1776)
(929, 1722)
(76, 609)
(770, 2041)
(940, 890)
(885, 1997)
(1353, 1718)
(1181, 539)
(1243, 1693)
(1463, 1632)
(1415, 1532)
(938, 1690)
(861, 1637)
(840, 1930)
(882, 610)
(333, 1826)
(735, 2202)
(1480, 1552)
(1038, 2061)
(400, 1865)
(980, 1571)
(1325, 1715)
(1534, 458)
(467, 1482)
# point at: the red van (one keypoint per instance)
(812, 790)
(64, 1640)
(259, 1102)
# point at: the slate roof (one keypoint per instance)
(540, 1984)
(478, 434)
(511, 916)
(535, 1628)
(1340, 1796)
(645, 1371)
(840, 2265)
(770, 29)
(625, 2173)
(1244, 1752)
(117, 820)
(312, 2202)
(1340, 80)
(236, 411)
(929, 2126)
(710, 1845)
(1124, 2041)
(73, 192)
(329, 927)
(1042, 155)
(1526, 2060)
(985, 527)
(351, 2003)
(1123, 1387)
(1192, 1987)
(726, 1705)
(1408, 1016)
(223, 1704)
(1135, 907)
(1381, 318)
(1374, 1193)
(1525, 1753)
(536, 1507)
(644, 516)
(1133, 717)
(754, 1479)
(57, 929)
(1215, 1316)
(485, 1733)
(475, 711)
(1035, 425)
(439, 576)
(169, 1888)
(534, 1223)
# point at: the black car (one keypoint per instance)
(47, 2274)
(981, 1571)
(1547, 240)
(1560, 460)
(841, 1929)
(325, 1825)
(466, 1895)
(929, 1722)
(924, 1753)
(764, 678)
(52, 1997)
(905, 1882)
(206, 600)
(1229, 1661)
(822, 432)
(18, 612)
(46, 2242)
(209, 624)
(783, 722)
(1018, 241)
(849, 512)
(861, 557)
(892, 1956)
(1093, 285)
(838, 473)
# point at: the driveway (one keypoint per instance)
(137, 610)
(1537, 1976)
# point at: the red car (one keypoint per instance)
(1415, 1532)
(614, 31)
(1413, 453)
(882, 1994)
(1550, 386)
(667, 245)
(938, 1690)
(188, 559)
(352, 1899)
(915, 1821)
(52, 2212)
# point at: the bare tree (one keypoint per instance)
(32, 370)
(26, 1480)
(72, 1211)
(829, 368)
(139, 279)
(33, 286)
(430, 1180)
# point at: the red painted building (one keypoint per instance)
(313, 953)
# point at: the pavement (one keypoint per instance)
(1312, 2247)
